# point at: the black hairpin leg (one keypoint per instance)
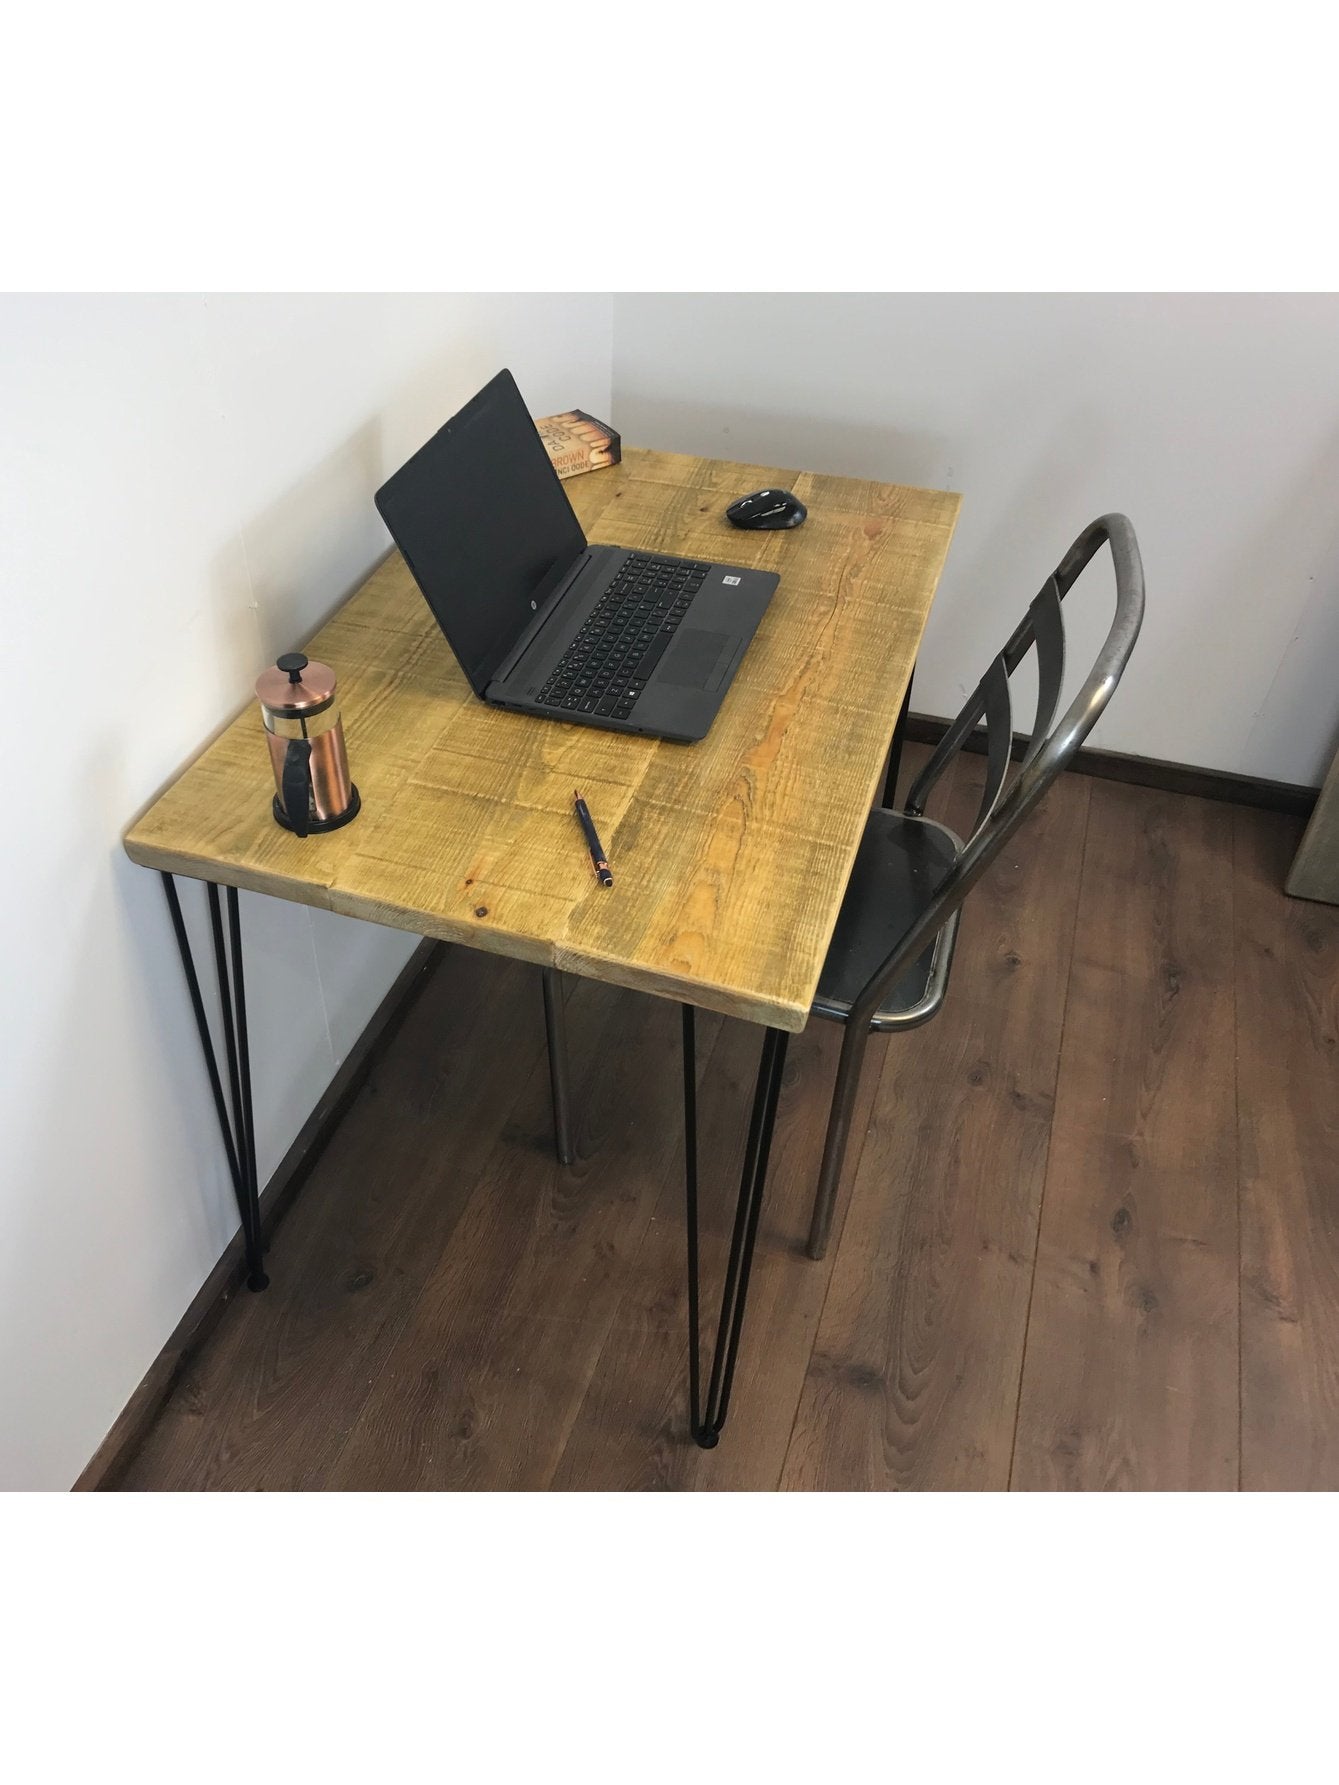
(239, 1135)
(555, 1031)
(707, 1430)
(895, 752)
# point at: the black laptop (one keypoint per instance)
(540, 619)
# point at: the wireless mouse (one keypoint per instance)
(766, 510)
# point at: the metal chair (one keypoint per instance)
(888, 963)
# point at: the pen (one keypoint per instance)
(593, 843)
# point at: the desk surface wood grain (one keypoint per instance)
(730, 857)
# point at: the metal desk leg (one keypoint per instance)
(239, 1135)
(895, 753)
(555, 1030)
(706, 1431)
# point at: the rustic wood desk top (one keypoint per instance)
(730, 857)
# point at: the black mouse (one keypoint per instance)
(766, 510)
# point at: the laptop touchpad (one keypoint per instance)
(693, 658)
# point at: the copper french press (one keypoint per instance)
(306, 738)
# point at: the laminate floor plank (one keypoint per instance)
(270, 1398)
(915, 1372)
(1037, 1249)
(632, 1430)
(1287, 975)
(536, 1267)
(1130, 1375)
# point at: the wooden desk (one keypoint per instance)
(730, 856)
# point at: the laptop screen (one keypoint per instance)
(482, 521)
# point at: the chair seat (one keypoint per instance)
(898, 867)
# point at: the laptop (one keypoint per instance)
(542, 621)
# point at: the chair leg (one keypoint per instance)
(555, 1031)
(839, 1128)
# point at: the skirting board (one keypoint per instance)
(227, 1277)
(1147, 771)
(229, 1274)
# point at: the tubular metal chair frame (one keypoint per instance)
(1049, 750)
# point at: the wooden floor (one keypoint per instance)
(1089, 1236)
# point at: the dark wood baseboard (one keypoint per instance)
(229, 1274)
(1147, 771)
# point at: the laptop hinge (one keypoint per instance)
(542, 618)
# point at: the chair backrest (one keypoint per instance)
(1051, 744)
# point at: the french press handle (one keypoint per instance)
(297, 784)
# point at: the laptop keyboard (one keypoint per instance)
(610, 660)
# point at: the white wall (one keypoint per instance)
(185, 489)
(1213, 422)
